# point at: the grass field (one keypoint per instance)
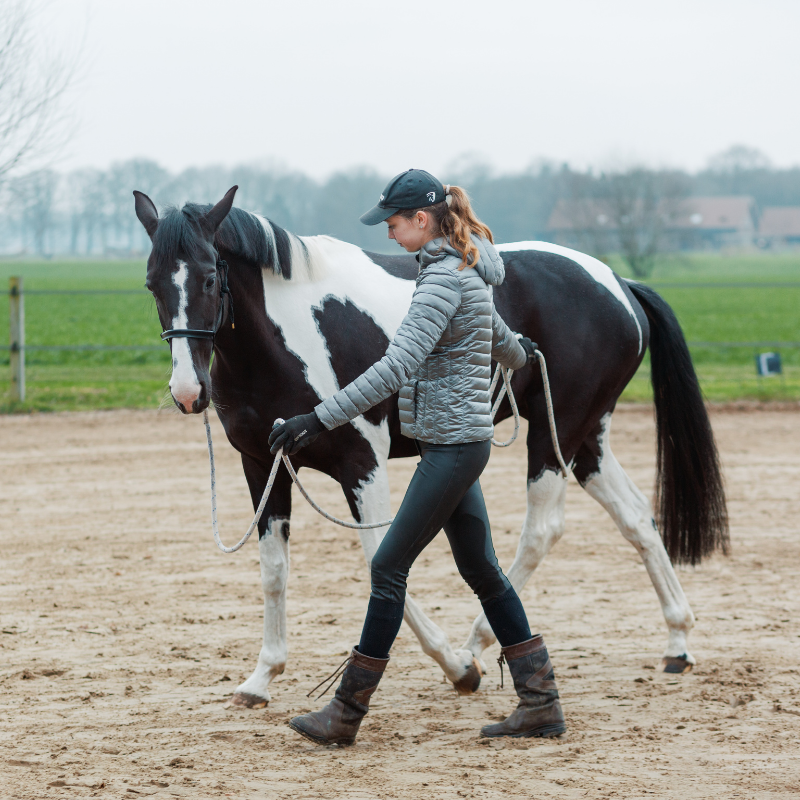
(72, 381)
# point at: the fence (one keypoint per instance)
(18, 347)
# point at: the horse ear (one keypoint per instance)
(217, 214)
(146, 212)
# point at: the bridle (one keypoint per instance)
(189, 333)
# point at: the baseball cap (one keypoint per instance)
(413, 188)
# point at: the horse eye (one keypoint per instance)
(211, 281)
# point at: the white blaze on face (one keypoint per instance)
(184, 385)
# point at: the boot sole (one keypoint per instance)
(321, 739)
(544, 732)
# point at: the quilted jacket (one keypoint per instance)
(440, 357)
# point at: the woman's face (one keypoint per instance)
(411, 233)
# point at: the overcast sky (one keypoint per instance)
(320, 85)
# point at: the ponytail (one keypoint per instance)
(456, 221)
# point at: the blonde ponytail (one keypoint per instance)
(456, 220)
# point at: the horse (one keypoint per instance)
(313, 312)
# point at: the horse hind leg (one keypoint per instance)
(602, 476)
(369, 501)
(542, 528)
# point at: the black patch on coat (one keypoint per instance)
(355, 342)
(405, 267)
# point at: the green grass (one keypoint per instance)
(75, 381)
(67, 381)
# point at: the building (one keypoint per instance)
(779, 227)
(695, 223)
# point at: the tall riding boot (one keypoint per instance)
(539, 711)
(339, 721)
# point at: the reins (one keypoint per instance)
(505, 388)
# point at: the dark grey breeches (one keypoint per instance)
(444, 493)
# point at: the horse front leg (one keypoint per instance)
(273, 549)
(369, 501)
(542, 528)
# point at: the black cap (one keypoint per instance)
(413, 188)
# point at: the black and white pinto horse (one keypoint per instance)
(312, 313)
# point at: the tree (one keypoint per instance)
(628, 212)
(642, 203)
(34, 196)
(32, 85)
(739, 158)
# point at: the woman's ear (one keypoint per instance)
(422, 218)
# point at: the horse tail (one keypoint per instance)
(690, 497)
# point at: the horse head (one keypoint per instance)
(182, 274)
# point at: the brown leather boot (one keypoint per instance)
(539, 711)
(339, 721)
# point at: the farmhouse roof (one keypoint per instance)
(568, 215)
(733, 213)
(715, 213)
(780, 221)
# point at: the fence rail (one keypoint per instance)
(17, 346)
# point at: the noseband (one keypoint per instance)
(188, 333)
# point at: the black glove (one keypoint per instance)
(529, 347)
(295, 433)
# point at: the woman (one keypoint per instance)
(440, 360)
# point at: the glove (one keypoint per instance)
(295, 433)
(529, 347)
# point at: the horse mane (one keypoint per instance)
(256, 240)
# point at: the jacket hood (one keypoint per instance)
(490, 266)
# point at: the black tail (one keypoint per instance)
(690, 498)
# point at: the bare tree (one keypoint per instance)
(629, 212)
(32, 85)
(642, 203)
(34, 196)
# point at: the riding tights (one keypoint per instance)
(444, 493)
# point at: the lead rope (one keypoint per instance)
(505, 388)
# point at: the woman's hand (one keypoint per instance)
(529, 347)
(295, 433)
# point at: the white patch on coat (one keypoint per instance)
(601, 272)
(611, 486)
(542, 528)
(273, 552)
(337, 270)
(183, 384)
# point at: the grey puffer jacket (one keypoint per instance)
(440, 357)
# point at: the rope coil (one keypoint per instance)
(279, 456)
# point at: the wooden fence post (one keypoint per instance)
(16, 318)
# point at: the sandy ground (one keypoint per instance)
(124, 631)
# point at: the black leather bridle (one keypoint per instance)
(189, 333)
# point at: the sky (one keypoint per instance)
(325, 85)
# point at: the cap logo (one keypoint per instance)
(381, 200)
(431, 196)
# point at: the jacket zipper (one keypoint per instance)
(416, 391)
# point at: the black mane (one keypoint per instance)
(241, 234)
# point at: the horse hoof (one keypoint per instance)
(245, 700)
(470, 681)
(676, 665)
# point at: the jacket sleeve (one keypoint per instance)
(505, 347)
(435, 301)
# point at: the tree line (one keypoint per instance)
(90, 211)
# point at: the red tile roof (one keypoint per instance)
(777, 221)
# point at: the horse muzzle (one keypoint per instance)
(190, 398)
